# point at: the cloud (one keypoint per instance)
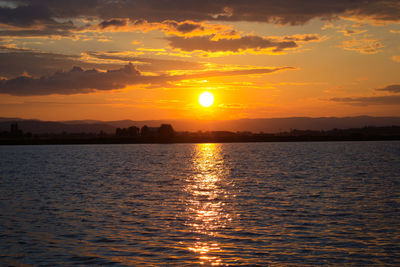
(292, 12)
(247, 42)
(74, 81)
(78, 80)
(378, 12)
(394, 88)
(51, 15)
(46, 32)
(170, 27)
(303, 38)
(351, 32)
(14, 61)
(113, 23)
(374, 100)
(371, 100)
(363, 46)
(23, 16)
(33, 20)
(11, 47)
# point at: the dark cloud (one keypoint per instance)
(25, 15)
(15, 61)
(394, 88)
(374, 100)
(285, 12)
(78, 80)
(33, 20)
(170, 27)
(206, 43)
(113, 23)
(303, 38)
(290, 12)
(74, 81)
(187, 27)
(371, 100)
(35, 33)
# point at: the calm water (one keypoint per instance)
(334, 203)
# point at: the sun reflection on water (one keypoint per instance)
(206, 199)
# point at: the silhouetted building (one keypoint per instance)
(15, 131)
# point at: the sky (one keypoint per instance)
(151, 59)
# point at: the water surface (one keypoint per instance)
(320, 203)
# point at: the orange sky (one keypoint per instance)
(151, 59)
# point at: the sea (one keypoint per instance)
(244, 204)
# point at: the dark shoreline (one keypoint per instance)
(184, 140)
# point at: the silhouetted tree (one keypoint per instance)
(145, 131)
(166, 130)
(132, 131)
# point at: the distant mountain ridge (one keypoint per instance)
(50, 127)
(267, 125)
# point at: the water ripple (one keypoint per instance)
(215, 204)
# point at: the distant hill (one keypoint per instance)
(44, 127)
(10, 119)
(272, 125)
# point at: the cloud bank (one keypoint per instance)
(374, 100)
(57, 16)
(394, 88)
(74, 81)
(371, 100)
(170, 27)
(78, 80)
(248, 42)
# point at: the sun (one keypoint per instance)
(206, 99)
